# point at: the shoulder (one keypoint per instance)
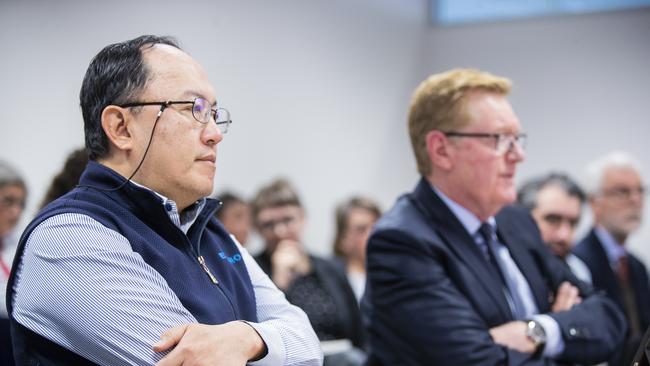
(515, 215)
(584, 249)
(518, 222)
(405, 221)
(328, 266)
(70, 233)
(403, 212)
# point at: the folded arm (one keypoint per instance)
(105, 303)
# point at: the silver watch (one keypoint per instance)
(535, 332)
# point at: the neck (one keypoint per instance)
(619, 237)
(451, 190)
(123, 168)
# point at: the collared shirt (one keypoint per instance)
(613, 248)
(554, 342)
(117, 321)
(183, 220)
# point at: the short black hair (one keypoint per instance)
(115, 75)
(527, 195)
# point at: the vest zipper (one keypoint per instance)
(207, 270)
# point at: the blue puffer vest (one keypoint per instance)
(138, 215)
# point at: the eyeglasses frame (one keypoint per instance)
(164, 105)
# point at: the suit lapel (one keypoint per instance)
(456, 238)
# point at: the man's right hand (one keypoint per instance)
(567, 296)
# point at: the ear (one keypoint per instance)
(115, 123)
(439, 150)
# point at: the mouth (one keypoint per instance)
(208, 159)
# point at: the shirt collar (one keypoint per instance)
(468, 219)
(182, 220)
(613, 249)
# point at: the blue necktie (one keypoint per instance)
(509, 284)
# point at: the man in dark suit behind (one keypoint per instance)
(616, 195)
(450, 282)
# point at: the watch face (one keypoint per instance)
(536, 332)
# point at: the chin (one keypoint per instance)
(203, 187)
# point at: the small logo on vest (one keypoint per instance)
(232, 260)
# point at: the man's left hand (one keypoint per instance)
(233, 343)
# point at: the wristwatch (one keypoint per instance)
(535, 332)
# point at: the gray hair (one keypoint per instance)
(595, 170)
(527, 194)
(9, 176)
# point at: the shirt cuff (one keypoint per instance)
(275, 352)
(554, 343)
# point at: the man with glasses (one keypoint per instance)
(616, 195)
(555, 202)
(316, 285)
(131, 267)
(454, 276)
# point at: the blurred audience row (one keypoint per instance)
(329, 290)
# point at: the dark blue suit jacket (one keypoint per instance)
(591, 251)
(431, 297)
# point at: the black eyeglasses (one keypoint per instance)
(202, 111)
(503, 142)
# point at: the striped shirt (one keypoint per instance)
(87, 290)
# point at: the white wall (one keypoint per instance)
(319, 89)
(581, 87)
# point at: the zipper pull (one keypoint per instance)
(207, 270)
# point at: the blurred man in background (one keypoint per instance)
(555, 201)
(616, 194)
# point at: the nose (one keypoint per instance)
(211, 134)
(280, 230)
(515, 152)
(565, 231)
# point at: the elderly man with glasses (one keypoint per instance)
(454, 276)
(131, 267)
(616, 195)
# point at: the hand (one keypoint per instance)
(513, 335)
(233, 343)
(567, 296)
(289, 261)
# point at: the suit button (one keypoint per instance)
(573, 332)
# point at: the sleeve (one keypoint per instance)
(419, 313)
(89, 292)
(285, 328)
(585, 341)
